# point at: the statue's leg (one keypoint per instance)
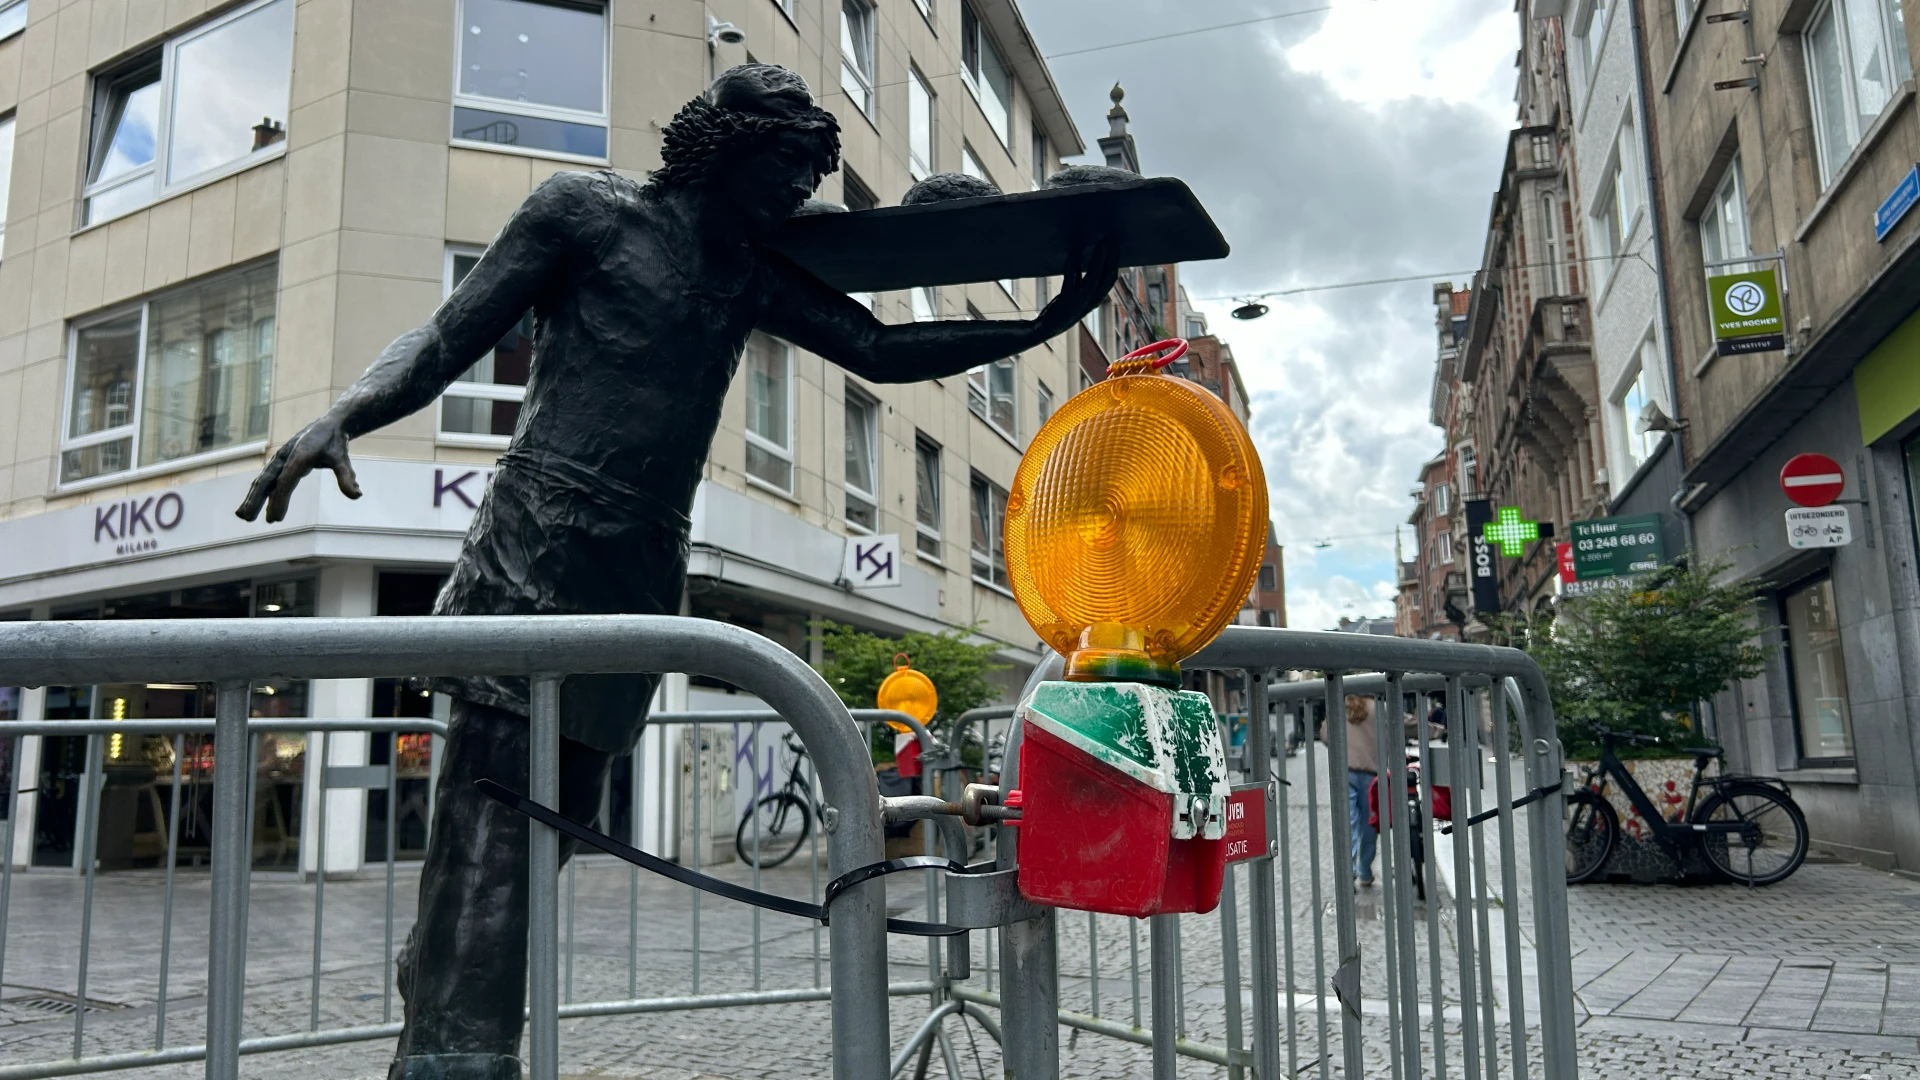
(463, 971)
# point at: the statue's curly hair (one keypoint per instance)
(703, 137)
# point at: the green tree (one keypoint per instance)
(1637, 658)
(857, 662)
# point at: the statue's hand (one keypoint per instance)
(321, 444)
(1089, 278)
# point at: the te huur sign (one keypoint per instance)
(1613, 547)
(1746, 312)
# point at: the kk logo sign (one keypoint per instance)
(872, 562)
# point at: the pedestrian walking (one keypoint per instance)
(1363, 766)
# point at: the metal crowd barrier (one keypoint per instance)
(1024, 963)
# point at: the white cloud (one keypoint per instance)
(1376, 51)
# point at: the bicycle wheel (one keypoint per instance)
(1592, 830)
(773, 830)
(1770, 850)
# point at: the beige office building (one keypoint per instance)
(216, 216)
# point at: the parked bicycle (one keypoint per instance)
(1748, 827)
(774, 827)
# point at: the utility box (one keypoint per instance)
(714, 840)
(1123, 796)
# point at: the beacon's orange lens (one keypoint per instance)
(910, 692)
(1136, 524)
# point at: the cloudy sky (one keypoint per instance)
(1337, 145)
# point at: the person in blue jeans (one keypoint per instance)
(1363, 765)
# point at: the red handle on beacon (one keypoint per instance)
(1137, 362)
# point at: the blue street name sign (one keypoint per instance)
(1897, 203)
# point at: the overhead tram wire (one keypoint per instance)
(1476, 273)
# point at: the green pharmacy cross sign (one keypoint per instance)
(1510, 532)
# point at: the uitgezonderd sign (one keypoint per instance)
(1746, 312)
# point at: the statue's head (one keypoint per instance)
(755, 137)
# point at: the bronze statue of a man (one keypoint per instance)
(643, 297)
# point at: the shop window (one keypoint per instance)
(1856, 58)
(13, 17)
(926, 496)
(1817, 672)
(986, 74)
(402, 593)
(856, 53)
(532, 76)
(206, 104)
(6, 174)
(988, 543)
(482, 406)
(862, 464)
(920, 114)
(159, 384)
(769, 365)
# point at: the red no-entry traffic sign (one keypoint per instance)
(1812, 479)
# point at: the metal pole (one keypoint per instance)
(1391, 888)
(1509, 886)
(227, 921)
(699, 796)
(1553, 954)
(1162, 934)
(635, 837)
(89, 856)
(319, 876)
(6, 853)
(1230, 964)
(1133, 946)
(1394, 794)
(1434, 990)
(1282, 796)
(393, 856)
(1460, 743)
(1029, 965)
(753, 812)
(1346, 975)
(543, 894)
(1093, 959)
(166, 906)
(1260, 914)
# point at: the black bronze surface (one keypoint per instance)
(643, 296)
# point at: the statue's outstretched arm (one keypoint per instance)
(530, 255)
(821, 319)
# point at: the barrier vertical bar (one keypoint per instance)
(1179, 982)
(1548, 843)
(1391, 889)
(1346, 978)
(319, 875)
(226, 932)
(753, 812)
(1394, 794)
(1435, 991)
(393, 856)
(1509, 885)
(636, 833)
(543, 894)
(1162, 943)
(1029, 960)
(1461, 755)
(166, 905)
(1483, 890)
(566, 991)
(6, 849)
(89, 856)
(1260, 914)
(1281, 796)
(1093, 959)
(1230, 971)
(1133, 947)
(699, 793)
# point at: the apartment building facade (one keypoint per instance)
(220, 213)
(1796, 164)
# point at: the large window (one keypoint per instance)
(1589, 38)
(533, 75)
(1633, 400)
(1619, 196)
(986, 74)
(863, 464)
(1043, 400)
(926, 496)
(6, 173)
(990, 394)
(13, 17)
(205, 104)
(856, 52)
(1550, 242)
(1819, 676)
(919, 126)
(989, 541)
(769, 365)
(482, 406)
(1723, 227)
(186, 373)
(1856, 57)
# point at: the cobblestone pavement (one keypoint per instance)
(1816, 977)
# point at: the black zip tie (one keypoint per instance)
(500, 793)
(1487, 815)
